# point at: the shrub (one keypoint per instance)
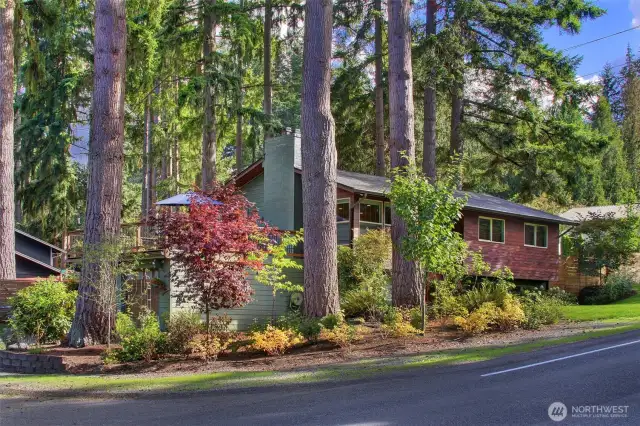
(219, 327)
(182, 328)
(331, 321)
(398, 324)
(510, 316)
(143, 341)
(618, 286)
(43, 310)
(364, 265)
(489, 291)
(309, 328)
(208, 346)
(479, 320)
(274, 341)
(562, 296)
(446, 304)
(368, 300)
(342, 335)
(540, 309)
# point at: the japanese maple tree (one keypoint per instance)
(212, 245)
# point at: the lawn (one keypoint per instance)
(627, 309)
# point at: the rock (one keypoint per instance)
(19, 346)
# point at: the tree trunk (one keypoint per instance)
(319, 161)
(146, 159)
(456, 145)
(104, 188)
(17, 55)
(176, 143)
(7, 184)
(239, 141)
(380, 143)
(209, 146)
(268, 95)
(429, 143)
(405, 289)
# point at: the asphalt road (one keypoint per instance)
(603, 372)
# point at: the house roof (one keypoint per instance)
(610, 212)
(56, 248)
(380, 186)
(181, 200)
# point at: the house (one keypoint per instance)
(36, 258)
(509, 234)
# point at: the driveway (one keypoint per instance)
(598, 381)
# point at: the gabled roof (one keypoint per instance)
(38, 262)
(56, 248)
(380, 186)
(185, 200)
(608, 212)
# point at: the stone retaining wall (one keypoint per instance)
(13, 362)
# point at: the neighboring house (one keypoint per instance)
(36, 258)
(509, 234)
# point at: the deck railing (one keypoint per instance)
(135, 237)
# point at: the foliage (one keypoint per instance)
(495, 289)
(331, 321)
(140, 338)
(490, 315)
(604, 242)
(510, 315)
(368, 300)
(541, 308)
(274, 341)
(212, 244)
(182, 327)
(399, 323)
(309, 328)
(207, 346)
(562, 296)
(342, 335)
(618, 286)
(272, 273)
(479, 320)
(43, 310)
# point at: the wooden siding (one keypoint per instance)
(28, 269)
(33, 249)
(527, 263)
(259, 310)
(254, 191)
(570, 279)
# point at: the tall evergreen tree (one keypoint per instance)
(106, 151)
(7, 206)
(319, 161)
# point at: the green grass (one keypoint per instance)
(86, 386)
(627, 309)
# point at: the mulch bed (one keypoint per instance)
(438, 337)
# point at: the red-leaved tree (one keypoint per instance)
(212, 245)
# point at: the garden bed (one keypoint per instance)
(372, 345)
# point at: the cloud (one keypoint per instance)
(592, 79)
(634, 7)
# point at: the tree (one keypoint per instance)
(7, 191)
(430, 105)
(104, 192)
(406, 289)
(209, 133)
(268, 92)
(212, 246)
(430, 212)
(381, 164)
(319, 160)
(273, 273)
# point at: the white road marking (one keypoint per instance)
(560, 359)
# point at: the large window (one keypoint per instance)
(387, 214)
(490, 229)
(536, 235)
(371, 211)
(343, 210)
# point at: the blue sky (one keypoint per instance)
(621, 14)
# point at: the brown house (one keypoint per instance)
(509, 234)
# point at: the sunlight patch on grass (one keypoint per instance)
(626, 309)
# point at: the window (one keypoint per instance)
(342, 210)
(491, 229)
(387, 214)
(535, 235)
(370, 211)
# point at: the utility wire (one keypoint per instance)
(600, 39)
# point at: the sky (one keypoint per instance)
(621, 15)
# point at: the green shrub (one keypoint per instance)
(274, 341)
(477, 321)
(331, 321)
(447, 304)
(368, 300)
(182, 328)
(309, 328)
(562, 296)
(139, 342)
(43, 310)
(342, 335)
(398, 324)
(489, 290)
(540, 309)
(617, 286)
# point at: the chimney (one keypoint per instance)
(281, 156)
